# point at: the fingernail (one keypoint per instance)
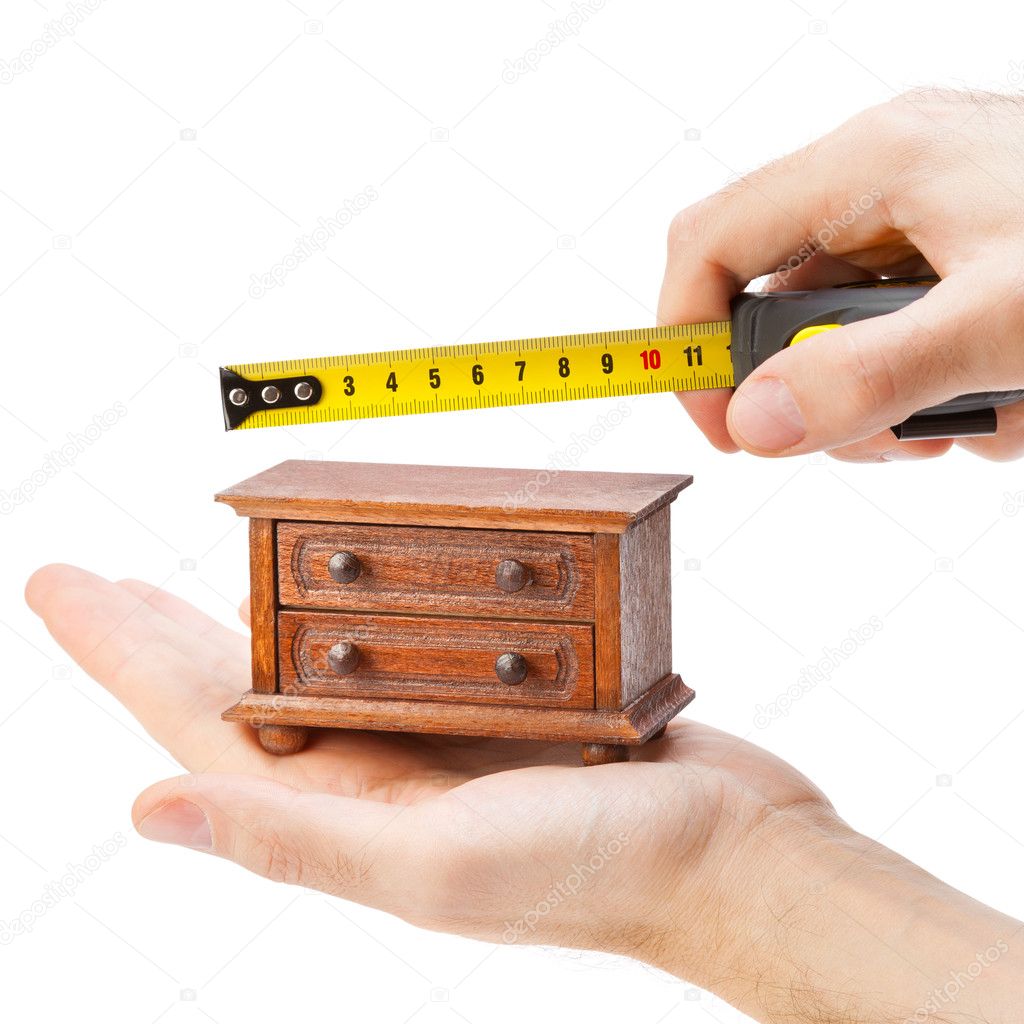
(765, 415)
(898, 455)
(181, 822)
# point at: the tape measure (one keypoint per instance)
(444, 379)
(689, 357)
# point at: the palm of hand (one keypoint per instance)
(492, 829)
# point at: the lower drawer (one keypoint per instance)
(464, 660)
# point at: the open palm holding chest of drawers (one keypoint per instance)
(478, 602)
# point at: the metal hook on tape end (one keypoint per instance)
(240, 397)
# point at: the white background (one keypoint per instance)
(126, 253)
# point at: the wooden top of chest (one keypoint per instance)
(525, 499)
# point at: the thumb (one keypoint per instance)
(847, 384)
(344, 846)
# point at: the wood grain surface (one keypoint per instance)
(440, 659)
(645, 604)
(263, 604)
(632, 725)
(607, 643)
(365, 492)
(435, 571)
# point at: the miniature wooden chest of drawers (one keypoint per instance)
(476, 602)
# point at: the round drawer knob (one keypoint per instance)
(343, 658)
(511, 575)
(511, 668)
(344, 567)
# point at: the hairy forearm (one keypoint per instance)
(840, 930)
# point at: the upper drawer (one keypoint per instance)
(445, 572)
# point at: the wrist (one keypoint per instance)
(807, 920)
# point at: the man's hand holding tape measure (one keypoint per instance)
(929, 183)
(916, 187)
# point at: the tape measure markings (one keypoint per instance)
(475, 376)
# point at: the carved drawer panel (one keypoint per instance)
(528, 663)
(499, 573)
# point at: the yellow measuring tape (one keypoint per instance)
(528, 371)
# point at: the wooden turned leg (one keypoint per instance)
(283, 739)
(657, 735)
(604, 753)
